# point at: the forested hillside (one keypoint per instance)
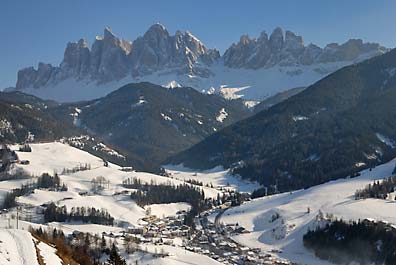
(334, 128)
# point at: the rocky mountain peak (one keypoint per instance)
(156, 31)
(245, 40)
(288, 49)
(112, 41)
(82, 43)
(292, 41)
(107, 33)
(157, 49)
(263, 37)
(161, 56)
(157, 27)
(276, 39)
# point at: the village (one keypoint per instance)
(208, 237)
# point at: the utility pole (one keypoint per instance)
(17, 218)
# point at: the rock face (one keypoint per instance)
(162, 58)
(289, 50)
(156, 49)
(111, 58)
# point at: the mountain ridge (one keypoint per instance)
(150, 122)
(270, 64)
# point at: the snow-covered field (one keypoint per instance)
(168, 209)
(218, 177)
(284, 233)
(17, 247)
(54, 157)
(177, 256)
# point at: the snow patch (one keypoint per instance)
(231, 92)
(104, 148)
(141, 102)
(166, 117)
(299, 118)
(5, 127)
(360, 164)
(172, 84)
(222, 115)
(49, 254)
(391, 71)
(251, 103)
(386, 140)
(75, 115)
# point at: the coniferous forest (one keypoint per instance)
(54, 213)
(364, 242)
(378, 190)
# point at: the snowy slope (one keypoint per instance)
(218, 177)
(230, 82)
(177, 256)
(49, 254)
(285, 233)
(167, 209)
(54, 157)
(50, 157)
(17, 248)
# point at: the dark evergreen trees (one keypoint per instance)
(364, 242)
(168, 193)
(152, 194)
(378, 189)
(115, 258)
(81, 248)
(10, 197)
(85, 214)
(318, 135)
(45, 181)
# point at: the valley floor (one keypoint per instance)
(274, 224)
(58, 158)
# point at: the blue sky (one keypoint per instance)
(33, 31)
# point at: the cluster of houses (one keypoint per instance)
(205, 239)
(152, 229)
(208, 238)
(214, 240)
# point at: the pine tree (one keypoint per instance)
(115, 258)
(103, 244)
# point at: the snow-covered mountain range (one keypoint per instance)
(253, 68)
